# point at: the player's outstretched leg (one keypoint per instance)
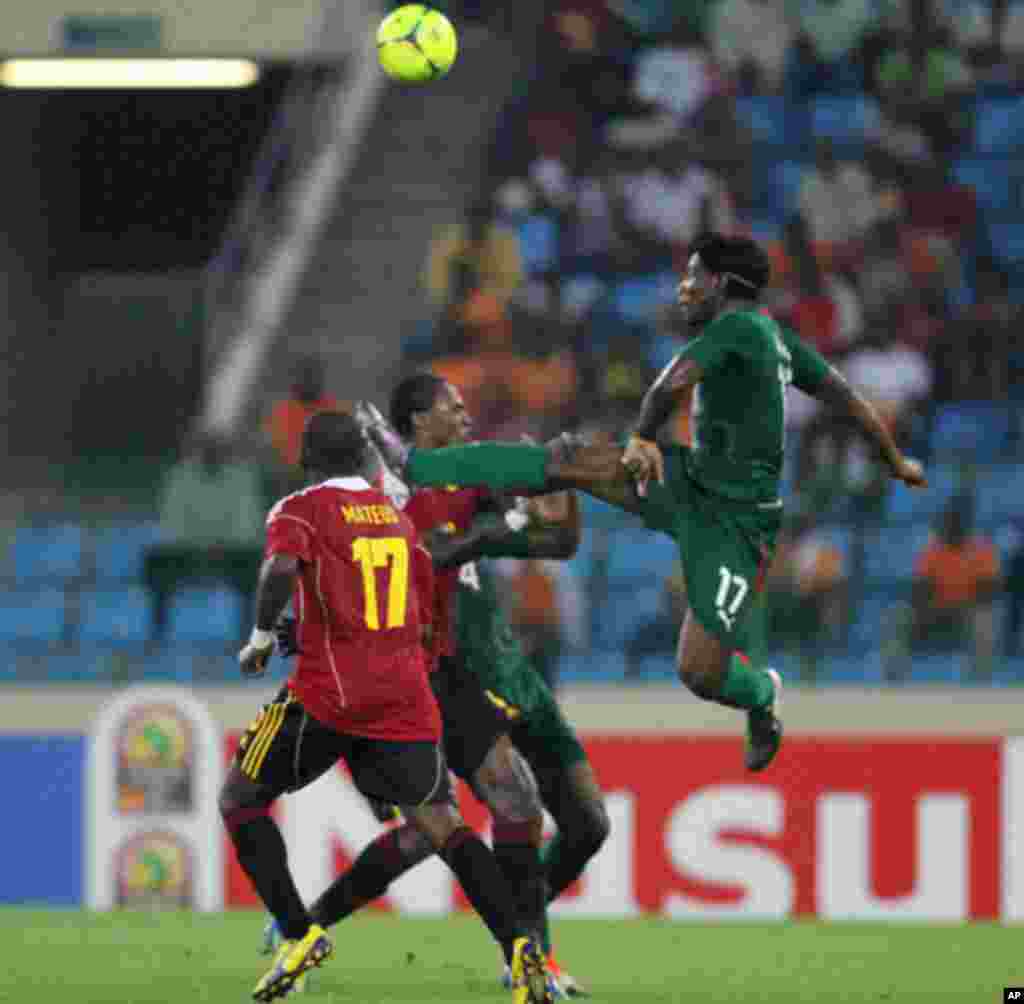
(245, 808)
(712, 672)
(485, 887)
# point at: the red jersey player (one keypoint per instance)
(359, 692)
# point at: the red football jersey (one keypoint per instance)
(364, 592)
(452, 509)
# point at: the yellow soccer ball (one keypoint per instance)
(416, 43)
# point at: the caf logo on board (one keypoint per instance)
(154, 870)
(155, 753)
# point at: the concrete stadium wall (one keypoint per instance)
(611, 710)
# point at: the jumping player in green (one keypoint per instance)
(719, 499)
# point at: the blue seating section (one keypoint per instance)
(999, 125)
(847, 119)
(47, 553)
(204, 616)
(115, 617)
(73, 605)
(539, 243)
(34, 616)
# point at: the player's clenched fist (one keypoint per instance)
(643, 459)
(254, 657)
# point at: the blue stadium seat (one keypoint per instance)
(785, 181)
(639, 299)
(904, 504)
(891, 551)
(999, 125)
(999, 495)
(121, 550)
(936, 667)
(204, 616)
(852, 670)
(538, 243)
(872, 623)
(989, 178)
(847, 120)
(979, 429)
(637, 555)
(591, 667)
(52, 552)
(1007, 239)
(768, 119)
(625, 610)
(115, 617)
(32, 615)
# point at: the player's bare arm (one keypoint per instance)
(273, 591)
(836, 392)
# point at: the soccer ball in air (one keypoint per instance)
(416, 44)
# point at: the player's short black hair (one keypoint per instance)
(741, 260)
(333, 442)
(413, 394)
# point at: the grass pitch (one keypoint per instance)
(57, 957)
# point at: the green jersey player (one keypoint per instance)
(719, 499)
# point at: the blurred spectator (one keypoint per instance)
(972, 357)
(823, 58)
(536, 617)
(478, 254)
(893, 376)
(674, 199)
(657, 636)
(884, 278)
(807, 592)
(1014, 590)
(673, 76)
(211, 519)
(837, 200)
(750, 40)
(287, 418)
(957, 578)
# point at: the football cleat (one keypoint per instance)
(292, 960)
(764, 729)
(529, 974)
(554, 987)
(567, 986)
(271, 943)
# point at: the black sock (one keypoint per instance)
(481, 880)
(519, 861)
(391, 855)
(264, 858)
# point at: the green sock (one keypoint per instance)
(746, 687)
(501, 466)
(545, 933)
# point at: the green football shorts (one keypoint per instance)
(724, 546)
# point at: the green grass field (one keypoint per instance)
(71, 957)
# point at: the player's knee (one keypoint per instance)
(701, 683)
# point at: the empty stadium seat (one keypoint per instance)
(1007, 240)
(999, 125)
(936, 667)
(847, 119)
(980, 430)
(52, 552)
(988, 178)
(890, 552)
(625, 610)
(904, 504)
(591, 667)
(769, 119)
(999, 494)
(32, 616)
(204, 616)
(785, 180)
(115, 617)
(636, 555)
(852, 670)
(638, 300)
(121, 550)
(538, 243)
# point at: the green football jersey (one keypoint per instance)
(747, 362)
(487, 645)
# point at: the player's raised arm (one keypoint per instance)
(835, 391)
